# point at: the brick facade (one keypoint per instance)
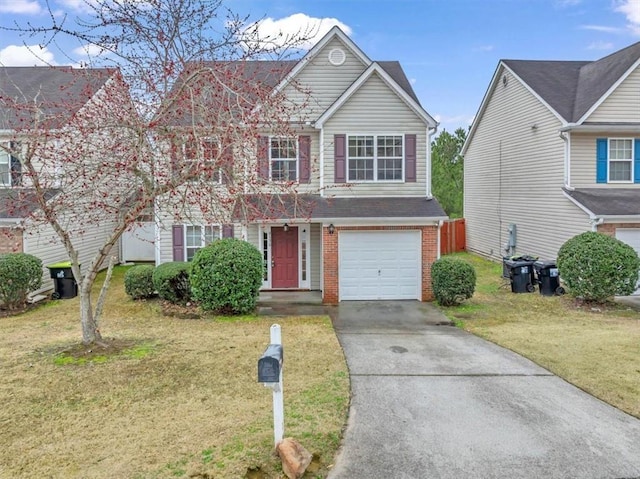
(10, 240)
(330, 257)
(609, 229)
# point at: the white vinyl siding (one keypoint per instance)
(583, 161)
(44, 244)
(623, 105)
(325, 81)
(514, 174)
(375, 110)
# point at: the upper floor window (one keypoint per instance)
(10, 167)
(283, 157)
(5, 168)
(375, 157)
(201, 156)
(197, 237)
(620, 160)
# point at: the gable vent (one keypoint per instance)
(337, 56)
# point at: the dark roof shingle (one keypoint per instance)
(571, 88)
(608, 201)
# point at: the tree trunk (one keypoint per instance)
(90, 331)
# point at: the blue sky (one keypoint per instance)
(448, 48)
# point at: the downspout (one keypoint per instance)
(322, 161)
(156, 232)
(595, 222)
(430, 131)
(440, 223)
(566, 137)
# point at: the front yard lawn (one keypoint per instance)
(182, 400)
(595, 348)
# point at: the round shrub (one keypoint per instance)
(20, 273)
(596, 267)
(171, 281)
(226, 276)
(453, 280)
(138, 281)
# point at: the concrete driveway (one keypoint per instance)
(431, 401)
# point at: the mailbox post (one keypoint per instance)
(270, 374)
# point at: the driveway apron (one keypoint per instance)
(432, 401)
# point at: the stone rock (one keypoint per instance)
(295, 458)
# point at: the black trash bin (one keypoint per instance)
(65, 286)
(548, 278)
(521, 275)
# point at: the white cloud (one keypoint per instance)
(24, 7)
(89, 50)
(412, 81)
(483, 48)
(631, 9)
(600, 46)
(77, 5)
(26, 56)
(601, 28)
(282, 32)
(568, 3)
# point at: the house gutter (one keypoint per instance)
(595, 222)
(602, 128)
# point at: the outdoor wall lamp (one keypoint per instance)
(286, 227)
(332, 229)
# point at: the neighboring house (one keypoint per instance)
(363, 224)
(58, 93)
(554, 151)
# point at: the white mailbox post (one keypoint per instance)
(270, 374)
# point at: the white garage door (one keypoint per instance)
(379, 265)
(631, 236)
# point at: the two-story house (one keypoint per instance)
(357, 219)
(38, 108)
(554, 151)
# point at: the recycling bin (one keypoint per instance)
(520, 275)
(548, 278)
(65, 286)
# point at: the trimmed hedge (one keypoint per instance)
(138, 281)
(226, 276)
(171, 281)
(453, 280)
(20, 274)
(596, 267)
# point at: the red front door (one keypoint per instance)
(284, 258)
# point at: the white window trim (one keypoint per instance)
(630, 161)
(7, 155)
(375, 157)
(296, 138)
(202, 236)
(200, 145)
(304, 234)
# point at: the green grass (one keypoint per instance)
(169, 398)
(593, 347)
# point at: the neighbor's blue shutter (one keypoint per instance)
(601, 160)
(636, 161)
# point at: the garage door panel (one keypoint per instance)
(379, 265)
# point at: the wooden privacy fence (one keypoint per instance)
(452, 236)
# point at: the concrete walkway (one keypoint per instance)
(431, 401)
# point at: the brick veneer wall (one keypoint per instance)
(609, 229)
(330, 257)
(10, 240)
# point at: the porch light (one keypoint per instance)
(332, 229)
(286, 227)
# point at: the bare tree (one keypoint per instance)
(167, 115)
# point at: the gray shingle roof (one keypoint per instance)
(395, 71)
(316, 207)
(608, 201)
(572, 87)
(17, 203)
(58, 92)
